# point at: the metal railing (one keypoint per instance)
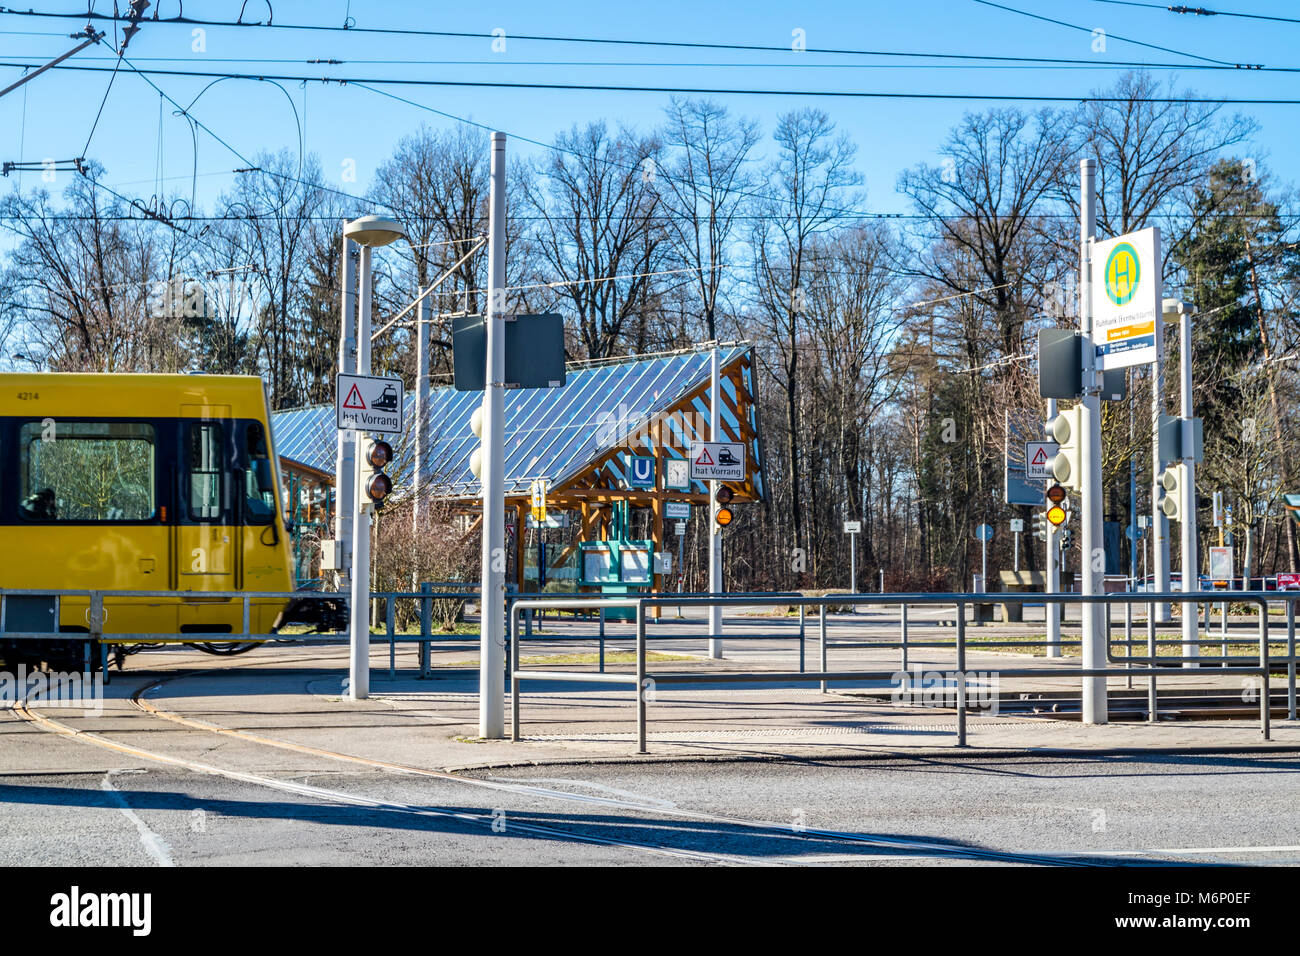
(1151, 666)
(98, 613)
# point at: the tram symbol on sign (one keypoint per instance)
(387, 401)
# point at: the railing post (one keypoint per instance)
(961, 675)
(392, 645)
(821, 639)
(802, 616)
(640, 679)
(1290, 653)
(1128, 636)
(902, 625)
(1264, 701)
(1152, 701)
(602, 638)
(246, 618)
(511, 611)
(95, 624)
(426, 627)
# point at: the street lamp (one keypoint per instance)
(369, 232)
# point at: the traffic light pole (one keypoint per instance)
(715, 532)
(492, 640)
(1092, 555)
(359, 656)
(1190, 612)
(1053, 566)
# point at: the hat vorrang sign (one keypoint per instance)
(368, 403)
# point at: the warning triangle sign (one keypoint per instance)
(1040, 457)
(354, 399)
(705, 458)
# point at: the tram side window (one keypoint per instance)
(205, 456)
(87, 471)
(259, 482)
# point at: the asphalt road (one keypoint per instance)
(1211, 809)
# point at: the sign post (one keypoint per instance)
(852, 528)
(984, 533)
(1017, 526)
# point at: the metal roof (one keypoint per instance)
(550, 433)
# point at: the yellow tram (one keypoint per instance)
(143, 483)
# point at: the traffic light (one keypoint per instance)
(1066, 429)
(1172, 481)
(1040, 526)
(476, 456)
(377, 485)
(721, 513)
(1057, 514)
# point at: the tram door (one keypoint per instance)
(205, 545)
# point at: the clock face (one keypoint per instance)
(677, 474)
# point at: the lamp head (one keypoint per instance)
(373, 231)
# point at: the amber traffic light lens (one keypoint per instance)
(1056, 515)
(723, 517)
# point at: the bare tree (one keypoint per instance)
(598, 212)
(810, 185)
(705, 189)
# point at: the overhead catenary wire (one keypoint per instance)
(551, 38)
(1112, 36)
(1199, 11)
(1018, 97)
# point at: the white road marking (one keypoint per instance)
(154, 845)
(644, 800)
(338, 796)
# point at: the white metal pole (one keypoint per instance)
(1188, 524)
(715, 538)
(1092, 555)
(421, 413)
(345, 457)
(491, 704)
(853, 563)
(984, 564)
(1159, 522)
(1053, 611)
(359, 658)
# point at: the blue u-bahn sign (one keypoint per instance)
(641, 472)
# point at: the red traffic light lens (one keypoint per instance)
(724, 495)
(379, 487)
(1056, 494)
(380, 454)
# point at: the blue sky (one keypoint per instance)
(346, 125)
